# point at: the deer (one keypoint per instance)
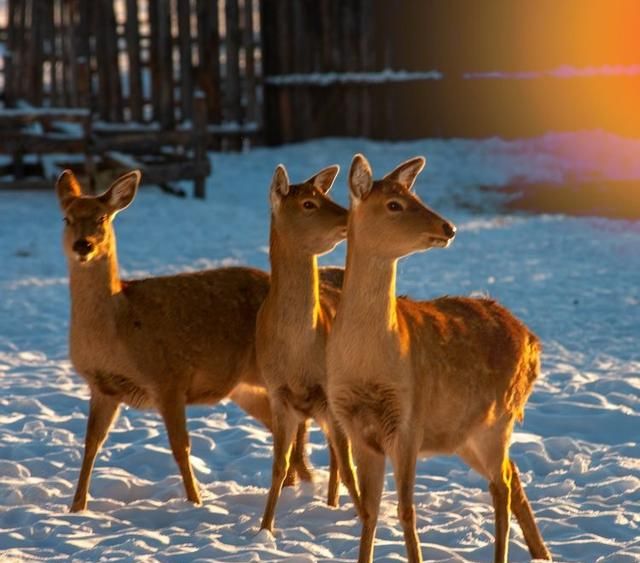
(294, 321)
(417, 378)
(157, 343)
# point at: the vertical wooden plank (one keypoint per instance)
(9, 55)
(69, 55)
(232, 75)
(208, 75)
(154, 62)
(132, 34)
(367, 64)
(184, 41)
(38, 12)
(99, 32)
(83, 14)
(19, 59)
(283, 43)
(270, 105)
(251, 113)
(115, 86)
(165, 64)
(200, 141)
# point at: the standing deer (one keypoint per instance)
(294, 321)
(448, 376)
(161, 343)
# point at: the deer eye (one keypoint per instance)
(66, 221)
(308, 204)
(101, 219)
(394, 206)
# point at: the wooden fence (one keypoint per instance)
(456, 68)
(137, 61)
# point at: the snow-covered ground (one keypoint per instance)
(575, 281)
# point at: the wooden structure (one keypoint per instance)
(161, 80)
(417, 68)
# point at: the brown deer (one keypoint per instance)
(448, 376)
(160, 343)
(294, 321)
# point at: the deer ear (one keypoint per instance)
(324, 179)
(407, 172)
(360, 177)
(279, 185)
(67, 188)
(121, 193)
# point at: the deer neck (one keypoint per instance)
(294, 290)
(369, 291)
(92, 287)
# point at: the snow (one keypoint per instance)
(328, 78)
(574, 281)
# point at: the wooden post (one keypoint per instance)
(132, 33)
(165, 63)
(367, 49)
(251, 113)
(199, 142)
(232, 76)
(184, 40)
(34, 94)
(209, 57)
(9, 58)
(69, 70)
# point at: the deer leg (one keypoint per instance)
(299, 463)
(339, 442)
(284, 429)
(172, 410)
(334, 478)
(371, 480)
(103, 410)
(404, 468)
(254, 401)
(500, 488)
(523, 513)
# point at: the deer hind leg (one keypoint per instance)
(284, 429)
(172, 410)
(339, 445)
(404, 468)
(334, 478)
(523, 513)
(254, 401)
(488, 455)
(103, 410)
(371, 480)
(299, 462)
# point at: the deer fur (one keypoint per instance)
(409, 378)
(160, 343)
(293, 323)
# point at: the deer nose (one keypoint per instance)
(449, 230)
(82, 246)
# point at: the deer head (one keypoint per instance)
(304, 214)
(88, 231)
(387, 217)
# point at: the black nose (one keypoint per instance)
(449, 229)
(82, 247)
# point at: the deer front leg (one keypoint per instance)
(404, 468)
(284, 429)
(172, 409)
(103, 410)
(523, 513)
(370, 466)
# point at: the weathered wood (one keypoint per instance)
(199, 145)
(208, 72)
(69, 70)
(132, 35)
(184, 42)
(165, 64)
(232, 74)
(251, 112)
(35, 52)
(154, 60)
